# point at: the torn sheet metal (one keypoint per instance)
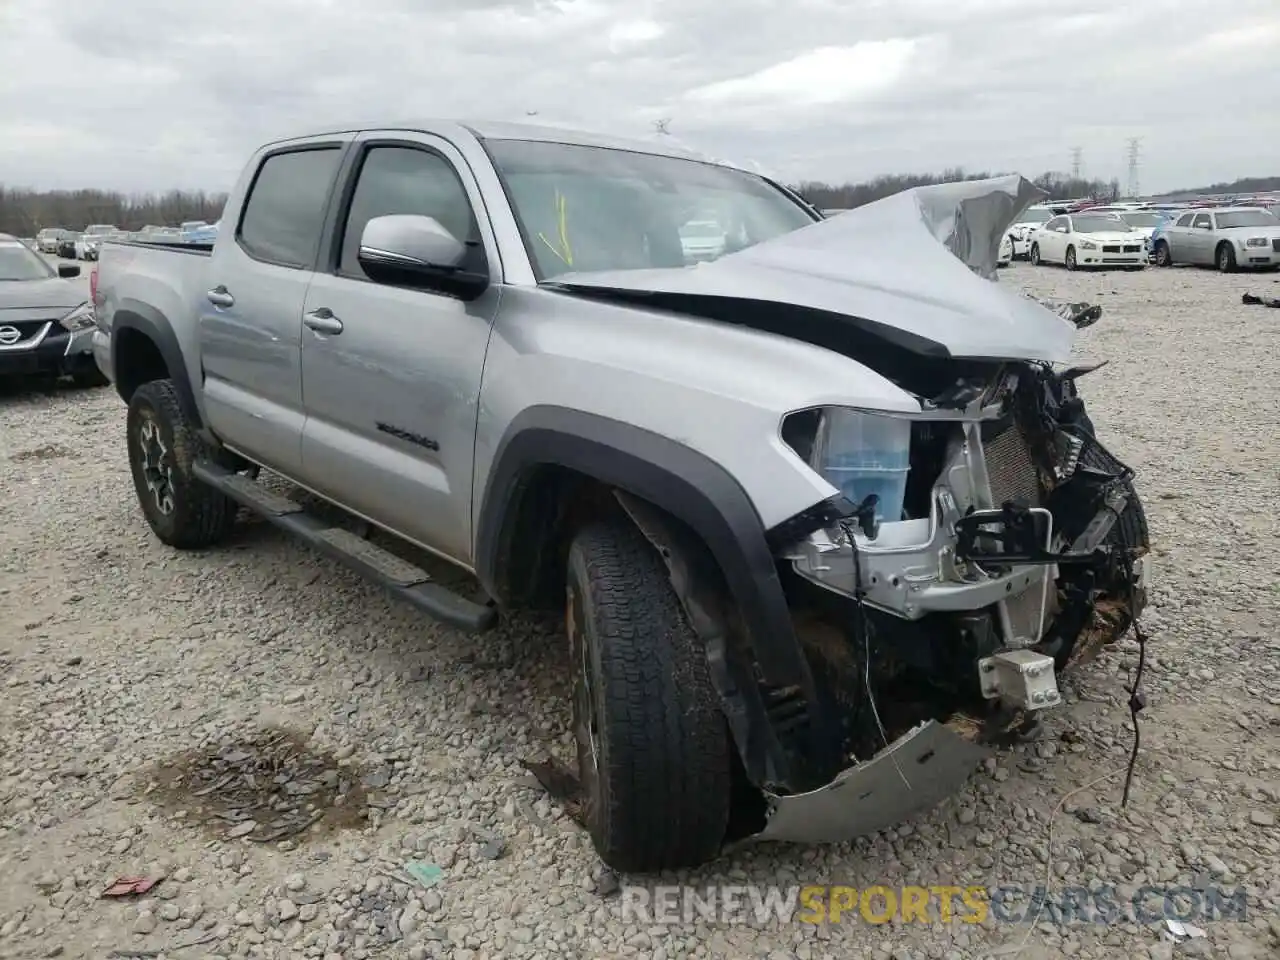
(914, 774)
(915, 262)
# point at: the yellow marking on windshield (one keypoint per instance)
(564, 251)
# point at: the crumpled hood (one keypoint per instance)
(54, 293)
(918, 267)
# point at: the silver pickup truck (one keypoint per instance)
(823, 509)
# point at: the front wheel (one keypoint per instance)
(162, 445)
(653, 746)
(1070, 259)
(1163, 257)
(1035, 254)
(1226, 258)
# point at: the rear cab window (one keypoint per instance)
(284, 211)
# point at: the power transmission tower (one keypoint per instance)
(1076, 154)
(1135, 144)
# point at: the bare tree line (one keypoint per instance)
(25, 212)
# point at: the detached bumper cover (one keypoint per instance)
(914, 774)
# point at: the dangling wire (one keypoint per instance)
(862, 631)
(1137, 700)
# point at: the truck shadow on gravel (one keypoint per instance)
(270, 786)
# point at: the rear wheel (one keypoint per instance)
(182, 511)
(653, 747)
(1226, 258)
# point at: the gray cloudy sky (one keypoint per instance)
(154, 94)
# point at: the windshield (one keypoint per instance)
(17, 262)
(1036, 216)
(1141, 219)
(586, 208)
(1098, 224)
(1246, 218)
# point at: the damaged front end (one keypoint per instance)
(938, 609)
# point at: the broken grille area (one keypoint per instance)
(1011, 469)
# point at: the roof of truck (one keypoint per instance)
(504, 130)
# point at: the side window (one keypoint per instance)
(1184, 220)
(396, 179)
(284, 214)
(1055, 224)
(1202, 220)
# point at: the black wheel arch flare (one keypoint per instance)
(701, 494)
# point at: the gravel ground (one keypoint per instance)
(124, 663)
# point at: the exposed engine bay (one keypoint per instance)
(1017, 552)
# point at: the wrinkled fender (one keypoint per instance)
(683, 482)
(147, 320)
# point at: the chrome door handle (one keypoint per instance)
(219, 297)
(322, 320)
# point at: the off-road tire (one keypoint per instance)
(1163, 257)
(1225, 258)
(200, 516)
(658, 795)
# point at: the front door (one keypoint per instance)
(1201, 239)
(391, 374)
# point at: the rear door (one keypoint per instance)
(392, 396)
(251, 314)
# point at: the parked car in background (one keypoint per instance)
(161, 235)
(1143, 221)
(1089, 240)
(1005, 255)
(1026, 224)
(48, 238)
(205, 234)
(46, 324)
(69, 245)
(702, 240)
(1229, 238)
(91, 241)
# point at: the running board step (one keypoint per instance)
(401, 578)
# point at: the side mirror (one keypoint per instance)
(413, 250)
(68, 270)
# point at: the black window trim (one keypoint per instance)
(330, 254)
(341, 145)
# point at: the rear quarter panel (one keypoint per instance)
(143, 278)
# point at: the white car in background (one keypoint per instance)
(1143, 221)
(1021, 230)
(702, 240)
(1006, 252)
(1089, 240)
